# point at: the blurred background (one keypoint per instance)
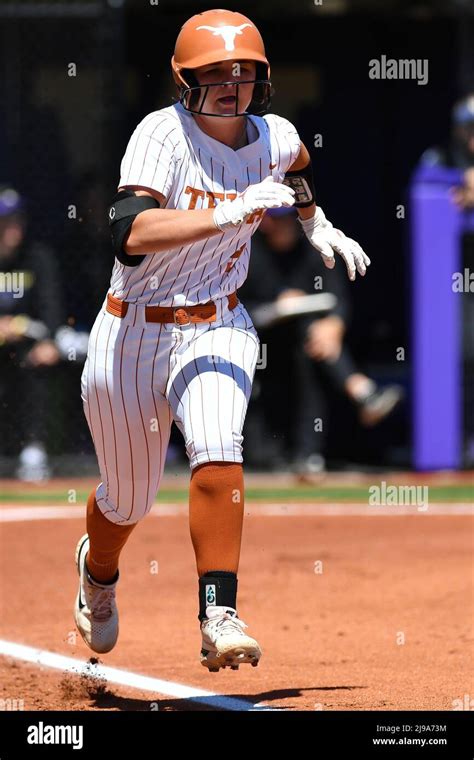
(384, 380)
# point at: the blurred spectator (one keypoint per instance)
(30, 313)
(459, 154)
(304, 355)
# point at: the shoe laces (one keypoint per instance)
(228, 622)
(101, 603)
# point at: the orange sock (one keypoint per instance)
(106, 542)
(216, 511)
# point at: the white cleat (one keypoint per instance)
(224, 642)
(95, 611)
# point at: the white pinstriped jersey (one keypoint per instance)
(169, 153)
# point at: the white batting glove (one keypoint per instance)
(326, 239)
(266, 194)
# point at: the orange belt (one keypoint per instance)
(180, 315)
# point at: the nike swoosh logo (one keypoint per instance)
(271, 166)
(81, 603)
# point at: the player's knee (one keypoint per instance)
(126, 510)
(213, 476)
(215, 466)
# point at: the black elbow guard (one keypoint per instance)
(302, 182)
(124, 209)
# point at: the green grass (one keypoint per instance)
(454, 493)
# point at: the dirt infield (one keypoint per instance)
(352, 612)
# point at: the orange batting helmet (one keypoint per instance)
(214, 36)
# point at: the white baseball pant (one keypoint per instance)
(140, 376)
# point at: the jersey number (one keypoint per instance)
(234, 258)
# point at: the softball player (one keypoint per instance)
(172, 341)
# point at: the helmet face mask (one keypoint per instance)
(194, 97)
(218, 37)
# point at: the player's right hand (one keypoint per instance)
(263, 195)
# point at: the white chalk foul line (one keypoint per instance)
(73, 512)
(124, 677)
(27, 514)
(31, 513)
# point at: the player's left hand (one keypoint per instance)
(327, 240)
